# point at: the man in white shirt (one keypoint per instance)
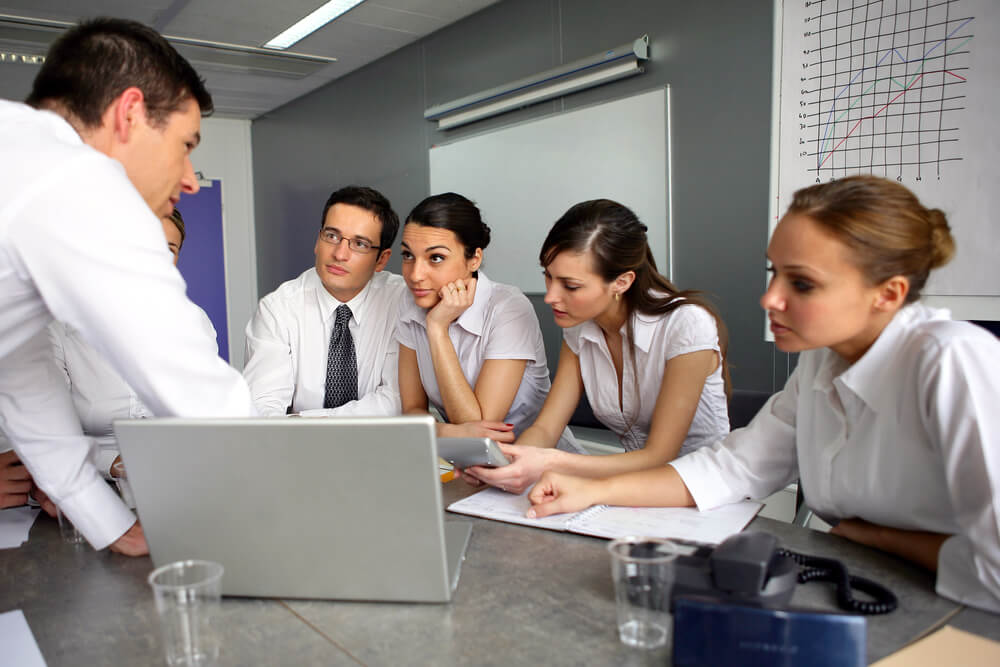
(293, 362)
(99, 394)
(86, 172)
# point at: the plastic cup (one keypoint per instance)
(121, 481)
(188, 599)
(643, 572)
(68, 532)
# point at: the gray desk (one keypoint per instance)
(525, 596)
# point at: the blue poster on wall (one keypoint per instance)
(202, 258)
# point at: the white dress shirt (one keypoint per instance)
(908, 437)
(99, 394)
(288, 342)
(657, 339)
(500, 324)
(79, 244)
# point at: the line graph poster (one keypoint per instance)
(904, 89)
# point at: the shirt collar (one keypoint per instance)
(871, 378)
(328, 303)
(473, 319)
(643, 328)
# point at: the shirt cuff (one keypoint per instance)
(956, 576)
(98, 513)
(703, 479)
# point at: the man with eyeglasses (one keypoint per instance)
(324, 342)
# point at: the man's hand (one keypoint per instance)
(43, 500)
(15, 481)
(132, 543)
(556, 493)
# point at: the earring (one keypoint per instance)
(618, 296)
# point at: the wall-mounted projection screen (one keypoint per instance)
(525, 176)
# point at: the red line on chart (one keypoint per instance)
(872, 117)
(957, 76)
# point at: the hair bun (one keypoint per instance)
(942, 244)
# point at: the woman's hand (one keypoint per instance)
(526, 466)
(456, 298)
(499, 431)
(556, 493)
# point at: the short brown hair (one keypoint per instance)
(888, 231)
(94, 62)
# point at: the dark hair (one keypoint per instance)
(888, 231)
(616, 241)
(457, 214)
(178, 220)
(94, 62)
(372, 201)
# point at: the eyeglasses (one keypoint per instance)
(334, 237)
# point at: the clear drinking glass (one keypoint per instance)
(643, 572)
(188, 597)
(67, 530)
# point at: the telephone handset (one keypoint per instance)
(749, 568)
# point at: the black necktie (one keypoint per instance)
(341, 363)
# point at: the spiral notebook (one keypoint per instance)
(679, 523)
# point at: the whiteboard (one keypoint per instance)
(524, 177)
(907, 90)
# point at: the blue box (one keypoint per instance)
(714, 634)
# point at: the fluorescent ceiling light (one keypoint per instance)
(311, 23)
(556, 89)
(603, 67)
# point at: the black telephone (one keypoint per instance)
(750, 569)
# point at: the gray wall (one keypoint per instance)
(368, 128)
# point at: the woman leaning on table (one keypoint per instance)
(469, 346)
(650, 358)
(890, 418)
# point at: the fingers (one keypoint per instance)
(43, 500)
(132, 543)
(459, 293)
(497, 426)
(469, 478)
(510, 450)
(18, 487)
(500, 437)
(15, 472)
(9, 499)
(508, 478)
(8, 458)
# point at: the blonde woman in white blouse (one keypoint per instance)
(890, 418)
(650, 358)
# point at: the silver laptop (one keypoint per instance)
(343, 508)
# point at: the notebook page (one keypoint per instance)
(499, 505)
(679, 523)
